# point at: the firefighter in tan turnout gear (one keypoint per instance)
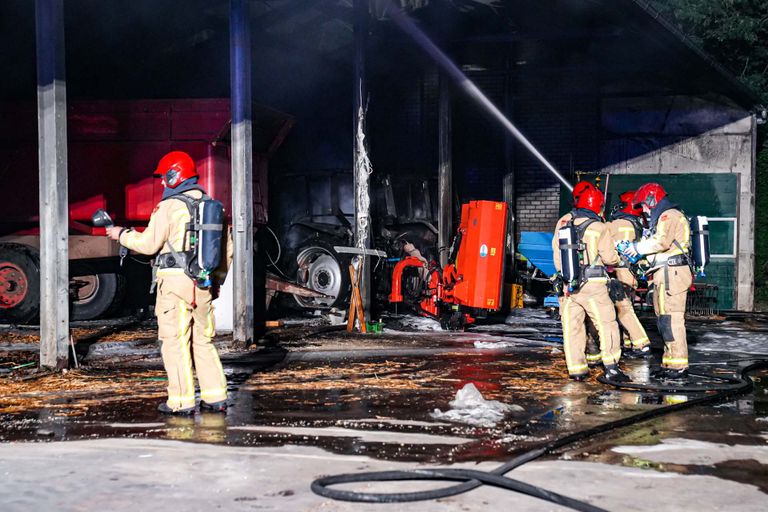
(626, 225)
(594, 358)
(184, 311)
(584, 239)
(666, 250)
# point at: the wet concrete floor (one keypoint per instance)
(375, 396)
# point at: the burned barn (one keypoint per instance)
(248, 244)
(605, 90)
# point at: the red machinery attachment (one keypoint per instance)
(472, 278)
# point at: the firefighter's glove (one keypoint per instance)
(629, 250)
(113, 232)
(641, 268)
(558, 284)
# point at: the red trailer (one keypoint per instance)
(113, 148)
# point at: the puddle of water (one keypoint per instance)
(735, 423)
(298, 402)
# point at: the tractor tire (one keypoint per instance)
(96, 295)
(453, 321)
(321, 268)
(19, 284)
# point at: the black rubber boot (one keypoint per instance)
(579, 377)
(594, 360)
(614, 374)
(214, 406)
(638, 353)
(163, 408)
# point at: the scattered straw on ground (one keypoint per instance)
(511, 376)
(78, 390)
(385, 374)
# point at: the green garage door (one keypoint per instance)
(713, 195)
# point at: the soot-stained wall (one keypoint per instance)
(691, 136)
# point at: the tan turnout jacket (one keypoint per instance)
(672, 226)
(168, 222)
(622, 229)
(597, 239)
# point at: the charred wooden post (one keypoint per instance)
(445, 173)
(242, 170)
(54, 207)
(510, 196)
(360, 161)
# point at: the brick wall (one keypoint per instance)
(567, 134)
(538, 209)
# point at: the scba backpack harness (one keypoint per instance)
(206, 231)
(576, 270)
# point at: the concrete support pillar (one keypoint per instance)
(54, 207)
(745, 262)
(444, 173)
(242, 170)
(359, 157)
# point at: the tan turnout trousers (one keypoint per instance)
(591, 300)
(593, 355)
(622, 229)
(184, 312)
(637, 337)
(186, 328)
(669, 299)
(671, 237)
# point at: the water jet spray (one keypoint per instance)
(407, 25)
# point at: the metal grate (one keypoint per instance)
(702, 301)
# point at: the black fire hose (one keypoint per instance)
(730, 384)
(473, 479)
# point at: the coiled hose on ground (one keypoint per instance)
(472, 479)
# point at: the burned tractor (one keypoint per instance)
(470, 284)
(313, 243)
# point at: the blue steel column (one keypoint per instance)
(54, 208)
(242, 169)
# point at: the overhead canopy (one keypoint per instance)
(158, 49)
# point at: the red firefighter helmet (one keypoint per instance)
(591, 199)
(175, 168)
(580, 188)
(628, 205)
(649, 194)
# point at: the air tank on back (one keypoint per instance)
(568, 244)
(700, 242)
